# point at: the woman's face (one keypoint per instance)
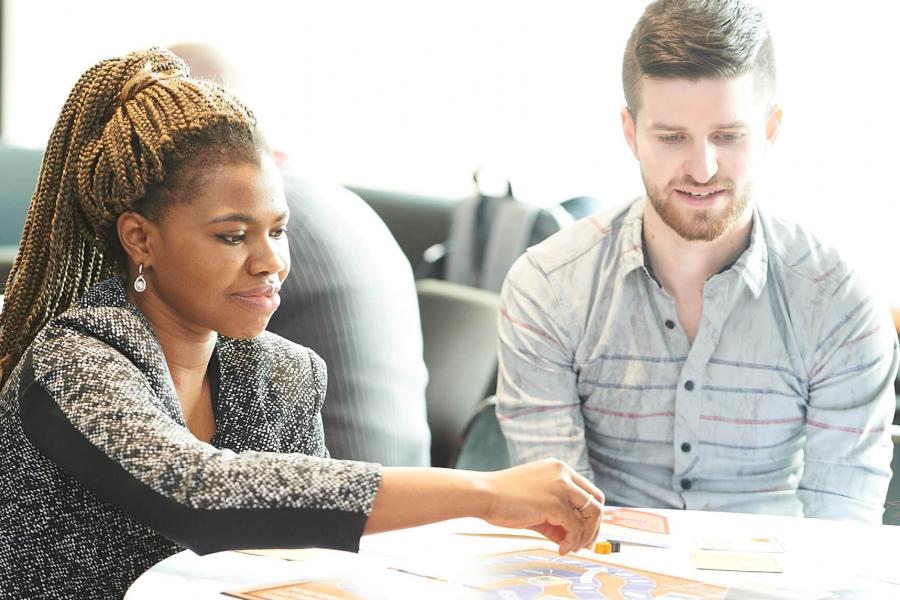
(217, 260)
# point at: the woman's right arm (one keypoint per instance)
(90, 410)
(544, 496)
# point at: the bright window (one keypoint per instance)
(413, 96)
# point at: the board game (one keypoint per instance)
(520, 575)
(532, 574)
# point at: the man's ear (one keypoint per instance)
(135, 234)
(773, 124)
(628, 128)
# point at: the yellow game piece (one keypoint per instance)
(603, 548)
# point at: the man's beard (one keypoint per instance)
(699, 225)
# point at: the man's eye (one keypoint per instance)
(729, 138)
(279, 233)
(231, 238)
(671, 139)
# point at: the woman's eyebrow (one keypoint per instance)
(242, 218)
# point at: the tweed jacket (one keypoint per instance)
(100, 477)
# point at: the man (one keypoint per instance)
(351, 297)
(690, 350)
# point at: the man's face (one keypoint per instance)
(699, 144)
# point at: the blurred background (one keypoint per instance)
(414, 96)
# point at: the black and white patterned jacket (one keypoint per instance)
(100, 477)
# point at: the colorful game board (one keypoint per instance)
(532, 574)
(520, 575)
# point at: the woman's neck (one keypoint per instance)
(187, 351)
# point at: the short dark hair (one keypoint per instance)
(696, 39)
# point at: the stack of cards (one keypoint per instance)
(753, 554)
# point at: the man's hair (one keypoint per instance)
(136, 133)
(696, 39)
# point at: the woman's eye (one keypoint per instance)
(231, 238)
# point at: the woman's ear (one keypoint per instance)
(135, 234)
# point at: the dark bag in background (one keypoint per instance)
(489, 232)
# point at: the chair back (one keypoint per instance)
(483, 447)
(459, 335)
(892, 503)
(19, 171)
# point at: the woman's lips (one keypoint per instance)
(261, 300)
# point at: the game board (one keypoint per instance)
(521, 575)
(532, 574)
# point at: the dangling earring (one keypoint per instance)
(140, 284)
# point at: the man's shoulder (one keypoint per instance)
(583, 246)
(803, 258)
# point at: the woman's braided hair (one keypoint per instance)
(128, 137)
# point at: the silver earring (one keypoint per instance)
(140, 284)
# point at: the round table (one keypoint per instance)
(818, 555)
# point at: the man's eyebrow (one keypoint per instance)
(665, 127)
(668, 127)
(242, 218)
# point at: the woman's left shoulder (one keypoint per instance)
(274, 358)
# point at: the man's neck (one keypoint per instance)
(682, 266)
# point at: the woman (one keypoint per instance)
(144, 408)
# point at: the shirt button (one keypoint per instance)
(685, 484)
(670, 323)
(685, 447)
(689, 385)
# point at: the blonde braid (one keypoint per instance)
(123, 120)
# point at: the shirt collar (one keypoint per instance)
(631, 244)
(752, 264)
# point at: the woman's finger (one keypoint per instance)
(582, 482)
(589, 512)
(570, 519)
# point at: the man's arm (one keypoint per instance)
(537, 398)
(851, 405)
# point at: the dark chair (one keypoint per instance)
(416, 222)
(483, 447)
(19, 170)
(459, 335)
(892, 504)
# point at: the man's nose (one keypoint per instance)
(703, 162)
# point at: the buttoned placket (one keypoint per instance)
(688, 405)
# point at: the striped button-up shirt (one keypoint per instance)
(782, 404)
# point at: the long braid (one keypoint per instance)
(123, 122)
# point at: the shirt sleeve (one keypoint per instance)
(92, 412)
(851, 405)
(538, 405)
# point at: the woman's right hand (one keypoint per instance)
(547, 497)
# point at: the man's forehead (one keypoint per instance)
(679, 103)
